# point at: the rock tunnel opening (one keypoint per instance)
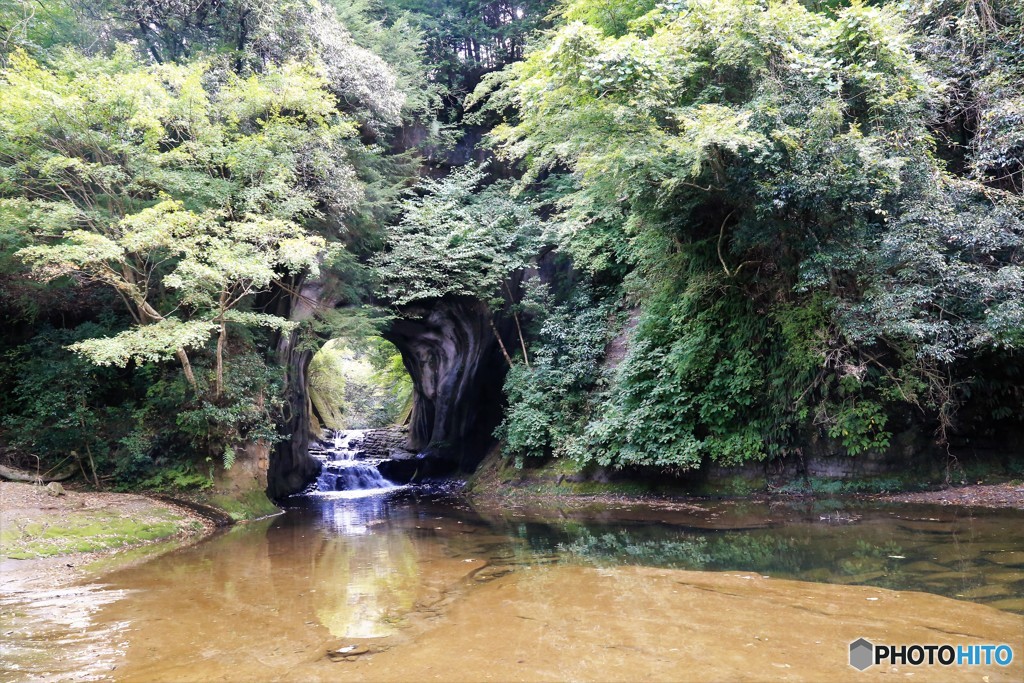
(453, 358)
(358, 383)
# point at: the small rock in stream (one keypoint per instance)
(492, 572)
(349, 652)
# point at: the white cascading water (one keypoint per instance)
(344, 471)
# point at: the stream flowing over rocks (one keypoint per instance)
(364, 461)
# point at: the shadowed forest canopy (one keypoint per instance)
(706, 231)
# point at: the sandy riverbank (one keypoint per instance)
(50, 541)
(1007, 495)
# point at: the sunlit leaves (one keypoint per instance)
(183, 194)
(80, 251)
(251, 319)
(147, 344)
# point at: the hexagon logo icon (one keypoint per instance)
(862, 654)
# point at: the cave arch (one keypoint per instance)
(451, 350)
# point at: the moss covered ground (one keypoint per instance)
(34, 524)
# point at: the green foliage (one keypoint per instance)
(191, 159)
(860, 427)
(38, 25)
(245, 411)
(815, 207)
(177, 477)
(464, 39)
(359, 384)
(975, 49)
(768, 177)
(547, 399)
(931, 278)
(454, 240)
(65, 134)
(400, 41)
(143, 428)
(59, 403)
(613, 17)
(248, 35)
(705, 377)
(819, 486)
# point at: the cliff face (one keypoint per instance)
(452, 354)
(291, 467)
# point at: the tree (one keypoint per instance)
(768, 175)
(456, 240)
(469, 38)
(975, 49)
(182, 197)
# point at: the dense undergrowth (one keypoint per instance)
(775, 187)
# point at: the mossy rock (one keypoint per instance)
(252, 504)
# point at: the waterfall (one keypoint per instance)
(343, 467)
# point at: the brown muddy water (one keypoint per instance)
(422, 585)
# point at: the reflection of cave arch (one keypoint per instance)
(453, 357)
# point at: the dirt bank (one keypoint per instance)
(52, 540)
(1010, 495)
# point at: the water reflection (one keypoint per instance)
(364, 580)
(46, 620)
(352, 518)
(283, 590)
(972, 555)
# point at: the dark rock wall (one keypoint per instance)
(385, 443)
(291, 467)
(453, 357)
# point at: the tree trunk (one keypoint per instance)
(187, 367)
(221, 341)
(519, 329)
(14, 474)
(220, 358)
(149, 314)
